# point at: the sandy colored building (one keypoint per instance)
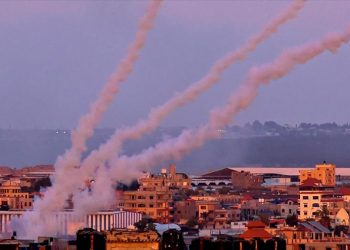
(322, 172)
(167, 178)
(132, 240)
(246, 180)
(11, 194)
(155, 194)
(155, 203)
(311, 235)
(184, 211)
(313, 196)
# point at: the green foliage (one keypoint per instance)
(323, 217)
(224, 190)
(145, 224)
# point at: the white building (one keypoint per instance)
(69, 222)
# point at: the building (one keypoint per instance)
(69, 222)
(312, 235)
(256, 229)
(11, 195)
(342, 218)
(170, 178)
(223, 218)
(314, 195)
(155, 194)
(206, 209)
(215, 179)
(185, 210)
(132, 240)
(245, 180)
(322, 172)
(152, 201)
(288, 208)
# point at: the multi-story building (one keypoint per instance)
(185, 210)
(322, 172)
(11, 195)
(245, 180)
(152, 201)
(206, 209)
(223, 218)
(155, 194)
(314, 195)
(170, 179)
(68, 222)
(288, 208)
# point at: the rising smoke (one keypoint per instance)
(176, 148)
(112, 147)
(67, 164)
(129, 167)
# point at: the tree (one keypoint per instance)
(323, 217)
(145, 224)
(224, 190)
(192, 222)
(292, 220)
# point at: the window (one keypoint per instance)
(290, 211)
(305, 213)
(315, 197)
(283, 210)
(315, 205)
(305, 197)
(203, 207)
(305, 205)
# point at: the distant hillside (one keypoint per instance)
(19, 171)
(256, 144)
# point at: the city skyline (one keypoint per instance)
(150, 124)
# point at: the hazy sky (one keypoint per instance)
(55, 57)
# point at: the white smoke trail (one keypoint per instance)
(157, 115)
(125, 167)
(66, 165)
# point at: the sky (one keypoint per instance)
(55, 56)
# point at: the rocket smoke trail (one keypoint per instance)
(131, 167)
(157, 115)
(66, 164)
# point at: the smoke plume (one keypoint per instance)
(125, 167)
(66, 166)
(113, 146)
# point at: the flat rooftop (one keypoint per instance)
(286, 171)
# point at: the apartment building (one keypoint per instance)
(11, 195)
(170, 178)
(185, 210)
(322, 172)
(314, 195)
(155, 194)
